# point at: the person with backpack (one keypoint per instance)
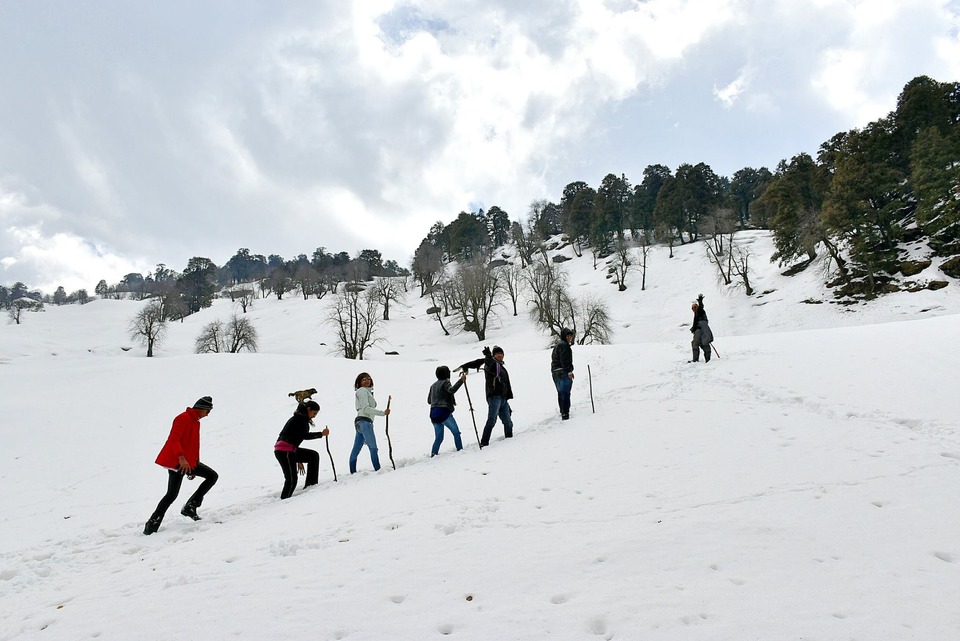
(561, 368)
(366, 406)
(291, 456)
(180, 456)
(498, 390)
(442, 403)
(702, 336)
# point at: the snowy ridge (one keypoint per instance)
(800, 486)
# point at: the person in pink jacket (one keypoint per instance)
(181, 456)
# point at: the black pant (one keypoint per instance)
(288, 463)
(175, 480)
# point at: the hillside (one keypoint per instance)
(796, 487)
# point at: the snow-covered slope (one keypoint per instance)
(803, 485)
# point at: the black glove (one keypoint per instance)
(486, 352)
(700, 299)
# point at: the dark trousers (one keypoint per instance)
(175, 480)
(288, 463)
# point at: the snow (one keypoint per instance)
(803, 485)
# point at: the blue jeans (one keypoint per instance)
(564, 384)
(450, 424)
(497, 406)
(364, 435)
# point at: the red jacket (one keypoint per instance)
(184, 439)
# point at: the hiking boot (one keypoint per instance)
(190, 510)
(564, 417)
(151, 526)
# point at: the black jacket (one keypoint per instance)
(297, 430)
(496, 377)
(441, 393)
(561, 361)
(699, 315)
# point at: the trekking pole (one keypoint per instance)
(332, 466)
(714, 349)
(389, 444)
(590, 380)
(472, 417)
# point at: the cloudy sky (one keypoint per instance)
(134, 133)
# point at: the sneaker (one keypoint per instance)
(565, 417)
(152, 526)
(191, 511)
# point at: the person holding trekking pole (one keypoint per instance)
(702, 336)
(366, 406)
(289, 453)
(498, 389)
(442, 403)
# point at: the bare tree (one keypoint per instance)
(173, 306)
(592, 322)
(512, 278)
(355, 316)
(306, 279)
(724, 264)
(211, 339)
(475, 290)
(720, 221)
(330, 279)
(241, 334)
(435, 311)
(280, 282)
(622, 262)
(243, 297)
(740, 264)
(231, 337)
(551, 305)
(148, 327)
(644, 255)
(389, 288)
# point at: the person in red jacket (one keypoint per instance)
(181, 456)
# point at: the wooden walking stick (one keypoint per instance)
(590, 380)
(472, 417)
(389, 444)
(715, 349)
(334, 467)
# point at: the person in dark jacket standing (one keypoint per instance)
(561, 368)
(442, 403)
(181, 456)
(499, 392)
(291, 456)
(702, 336)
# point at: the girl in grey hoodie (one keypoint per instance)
(366, 406)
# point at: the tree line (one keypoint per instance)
(867, 194)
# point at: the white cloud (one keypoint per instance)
(730, 94)
(65, 259)
(862, 75)
(360, 124)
